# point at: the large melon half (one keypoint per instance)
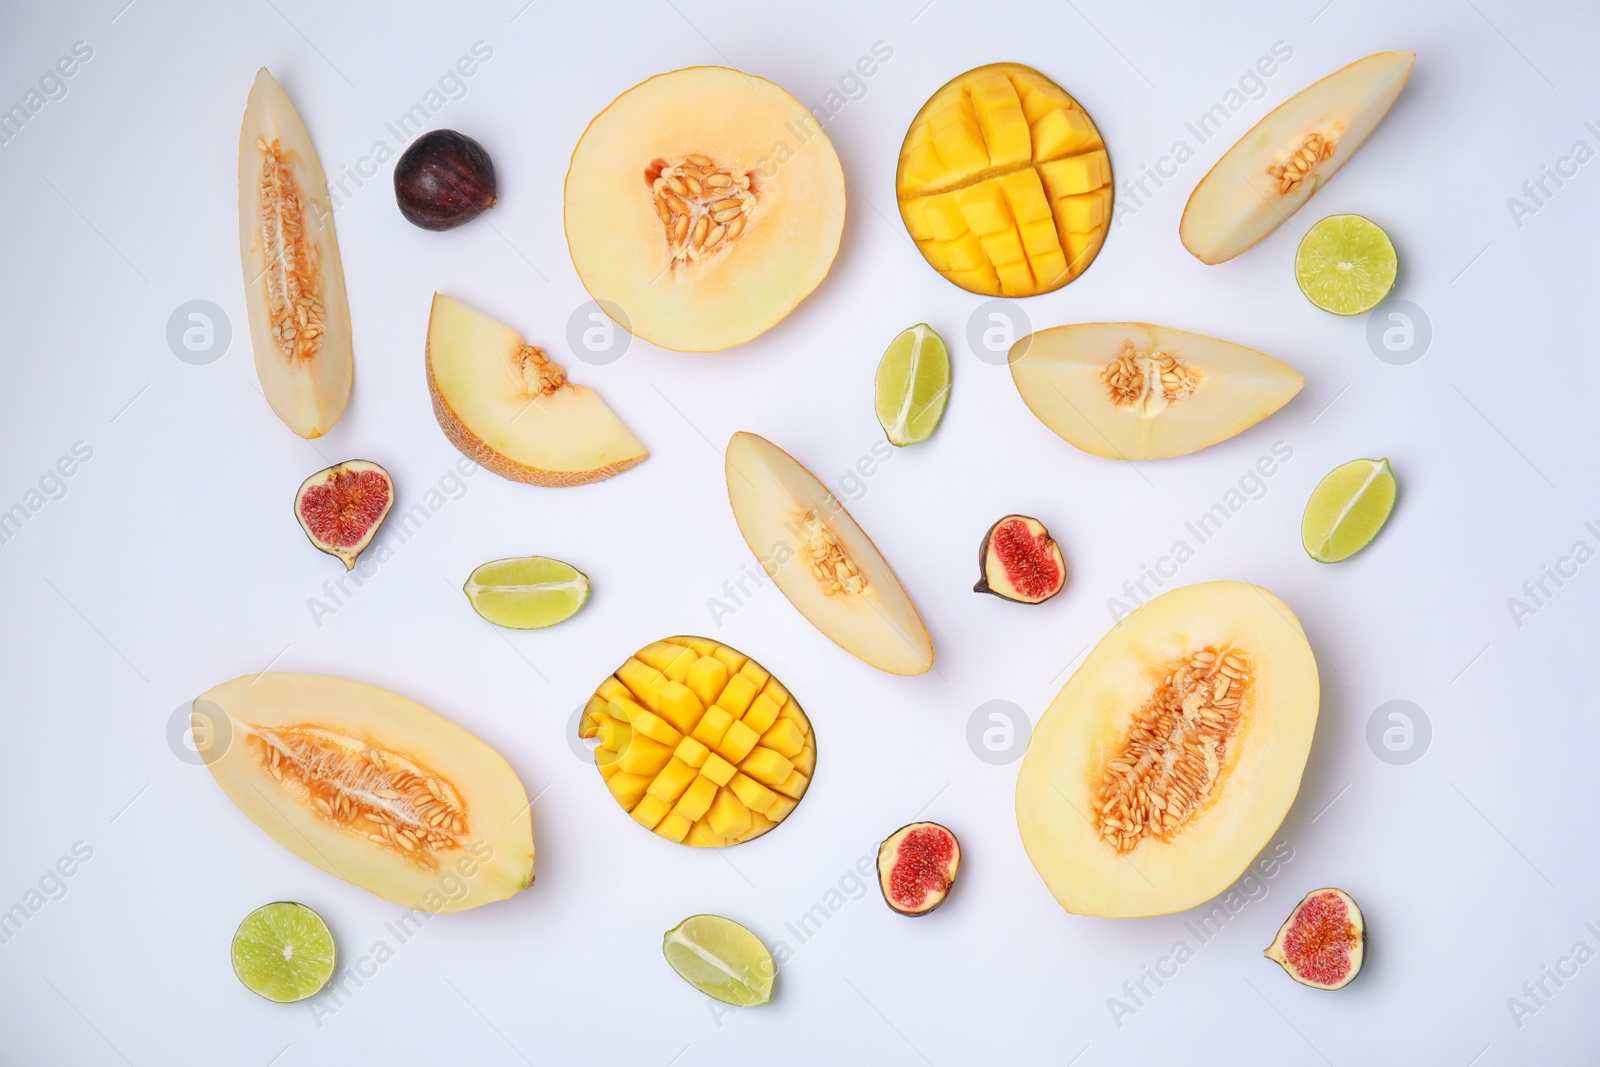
(702, 205)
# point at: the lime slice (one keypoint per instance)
(1346, 264)
(1347, 509)
(283, 951)
(527, 592)
(721, 959)
(912, 385)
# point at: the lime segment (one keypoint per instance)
(912, 385)
(283, 951)
(527, 592)
(1346, 264)
(1347, 509)
(721, 959)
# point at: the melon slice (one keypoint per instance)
(1287, 156)
(1130, 390)
(704, 204)
(822, 560)
(369, 787)
(1172, 754)
(293, 280)
(512, 410)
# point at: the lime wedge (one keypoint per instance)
(1347, 509)
(1346, 264)
(527, 592)
(912, 385)
(283, 951)
(721, 959)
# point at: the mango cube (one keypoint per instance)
(675, 827)
(737, 742)
(713, 724)
(672, 781)
(762, 713)
(718, 769)
(696, 800)
(707, 676)
(680, 706)
(751, 793)
(692, 752)
(785, 739)
(766, 766)
(728, 817)
(737, 694)
(649, 811)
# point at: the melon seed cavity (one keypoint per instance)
(702, 206)
(294, 282)
(1175, 751)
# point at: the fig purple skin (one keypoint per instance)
(444, 179)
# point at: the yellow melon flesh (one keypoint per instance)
(1287, 156)
(369, 787)
(1130, 390)
(1004, 182)
(293, 279)
(1140, 719)
(821, 559)
(508, 407)
(705, 203)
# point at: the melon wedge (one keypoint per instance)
(704, 203)
(1130, 390)
(512, 410)
(293, 279)
(821, 559)
(1287, 156)
(370, 787)
(1172, 754)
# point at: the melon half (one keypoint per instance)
(702, 206)
(1172, 755)
(1287, 156)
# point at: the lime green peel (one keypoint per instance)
(527, 592)
(1347, 509)
(283, 952)
(912, 385)
(721, 959)
(1346, 264)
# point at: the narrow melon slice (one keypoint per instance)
(1171, 756)
(370, 787)
(822, 560)
(1130, 390)
(1287, 156)
(705, 203)
(510, 408)
(293, 280)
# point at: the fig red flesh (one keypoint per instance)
(916, 866)
(341, 508)
(1323, 941)
(1020, 561)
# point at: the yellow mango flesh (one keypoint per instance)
(699, 743)
(1004, 182)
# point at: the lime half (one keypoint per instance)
(527, 592)
(283, 951)
(1346, 264)
(913, 384)
(721, 959)
(1347, 509)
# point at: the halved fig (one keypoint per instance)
(1290, 154)
(1322, 942)
(1020, 561)
(821, 559)
(917, 864)
(341, 507)
(510, 408)
(1130, 390)
(293, 280)
(370, 787)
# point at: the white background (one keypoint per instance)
(173, 562)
